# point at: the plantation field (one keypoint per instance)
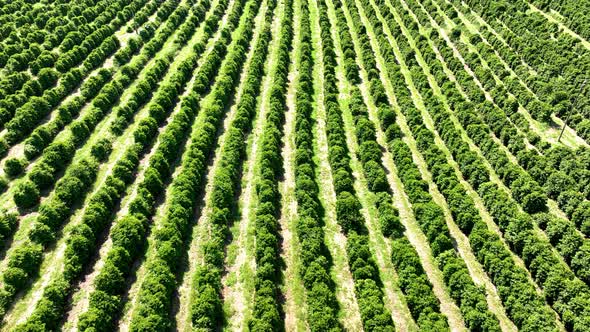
(294, 165)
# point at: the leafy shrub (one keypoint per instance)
(26, 194)
(14, 166)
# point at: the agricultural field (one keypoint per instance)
(295, 165)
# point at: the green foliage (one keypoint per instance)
(516, 63)
(14, 167)
(26, 194)
(102, 149)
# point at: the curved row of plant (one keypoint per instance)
(97, 215)
(41, 35)
(562, 232)
(94, 49)
(315, 257)
(429, 215)
(494, 51)
(266, 312)
(43, 135)
(423, 304)
(206, 308)
(135, 54)
(557, 61)
(348, 215)
(130, 232)
(71, 189)
(536, 252)
(573, 194)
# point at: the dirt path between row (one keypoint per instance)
(240, 263)
(493, 177)
(293, 303)
(463, 246)
(200, 232)
(548, 132)
(395, 300)
(553, 208)
(413, 231)
(335, 240)
(86, 286)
